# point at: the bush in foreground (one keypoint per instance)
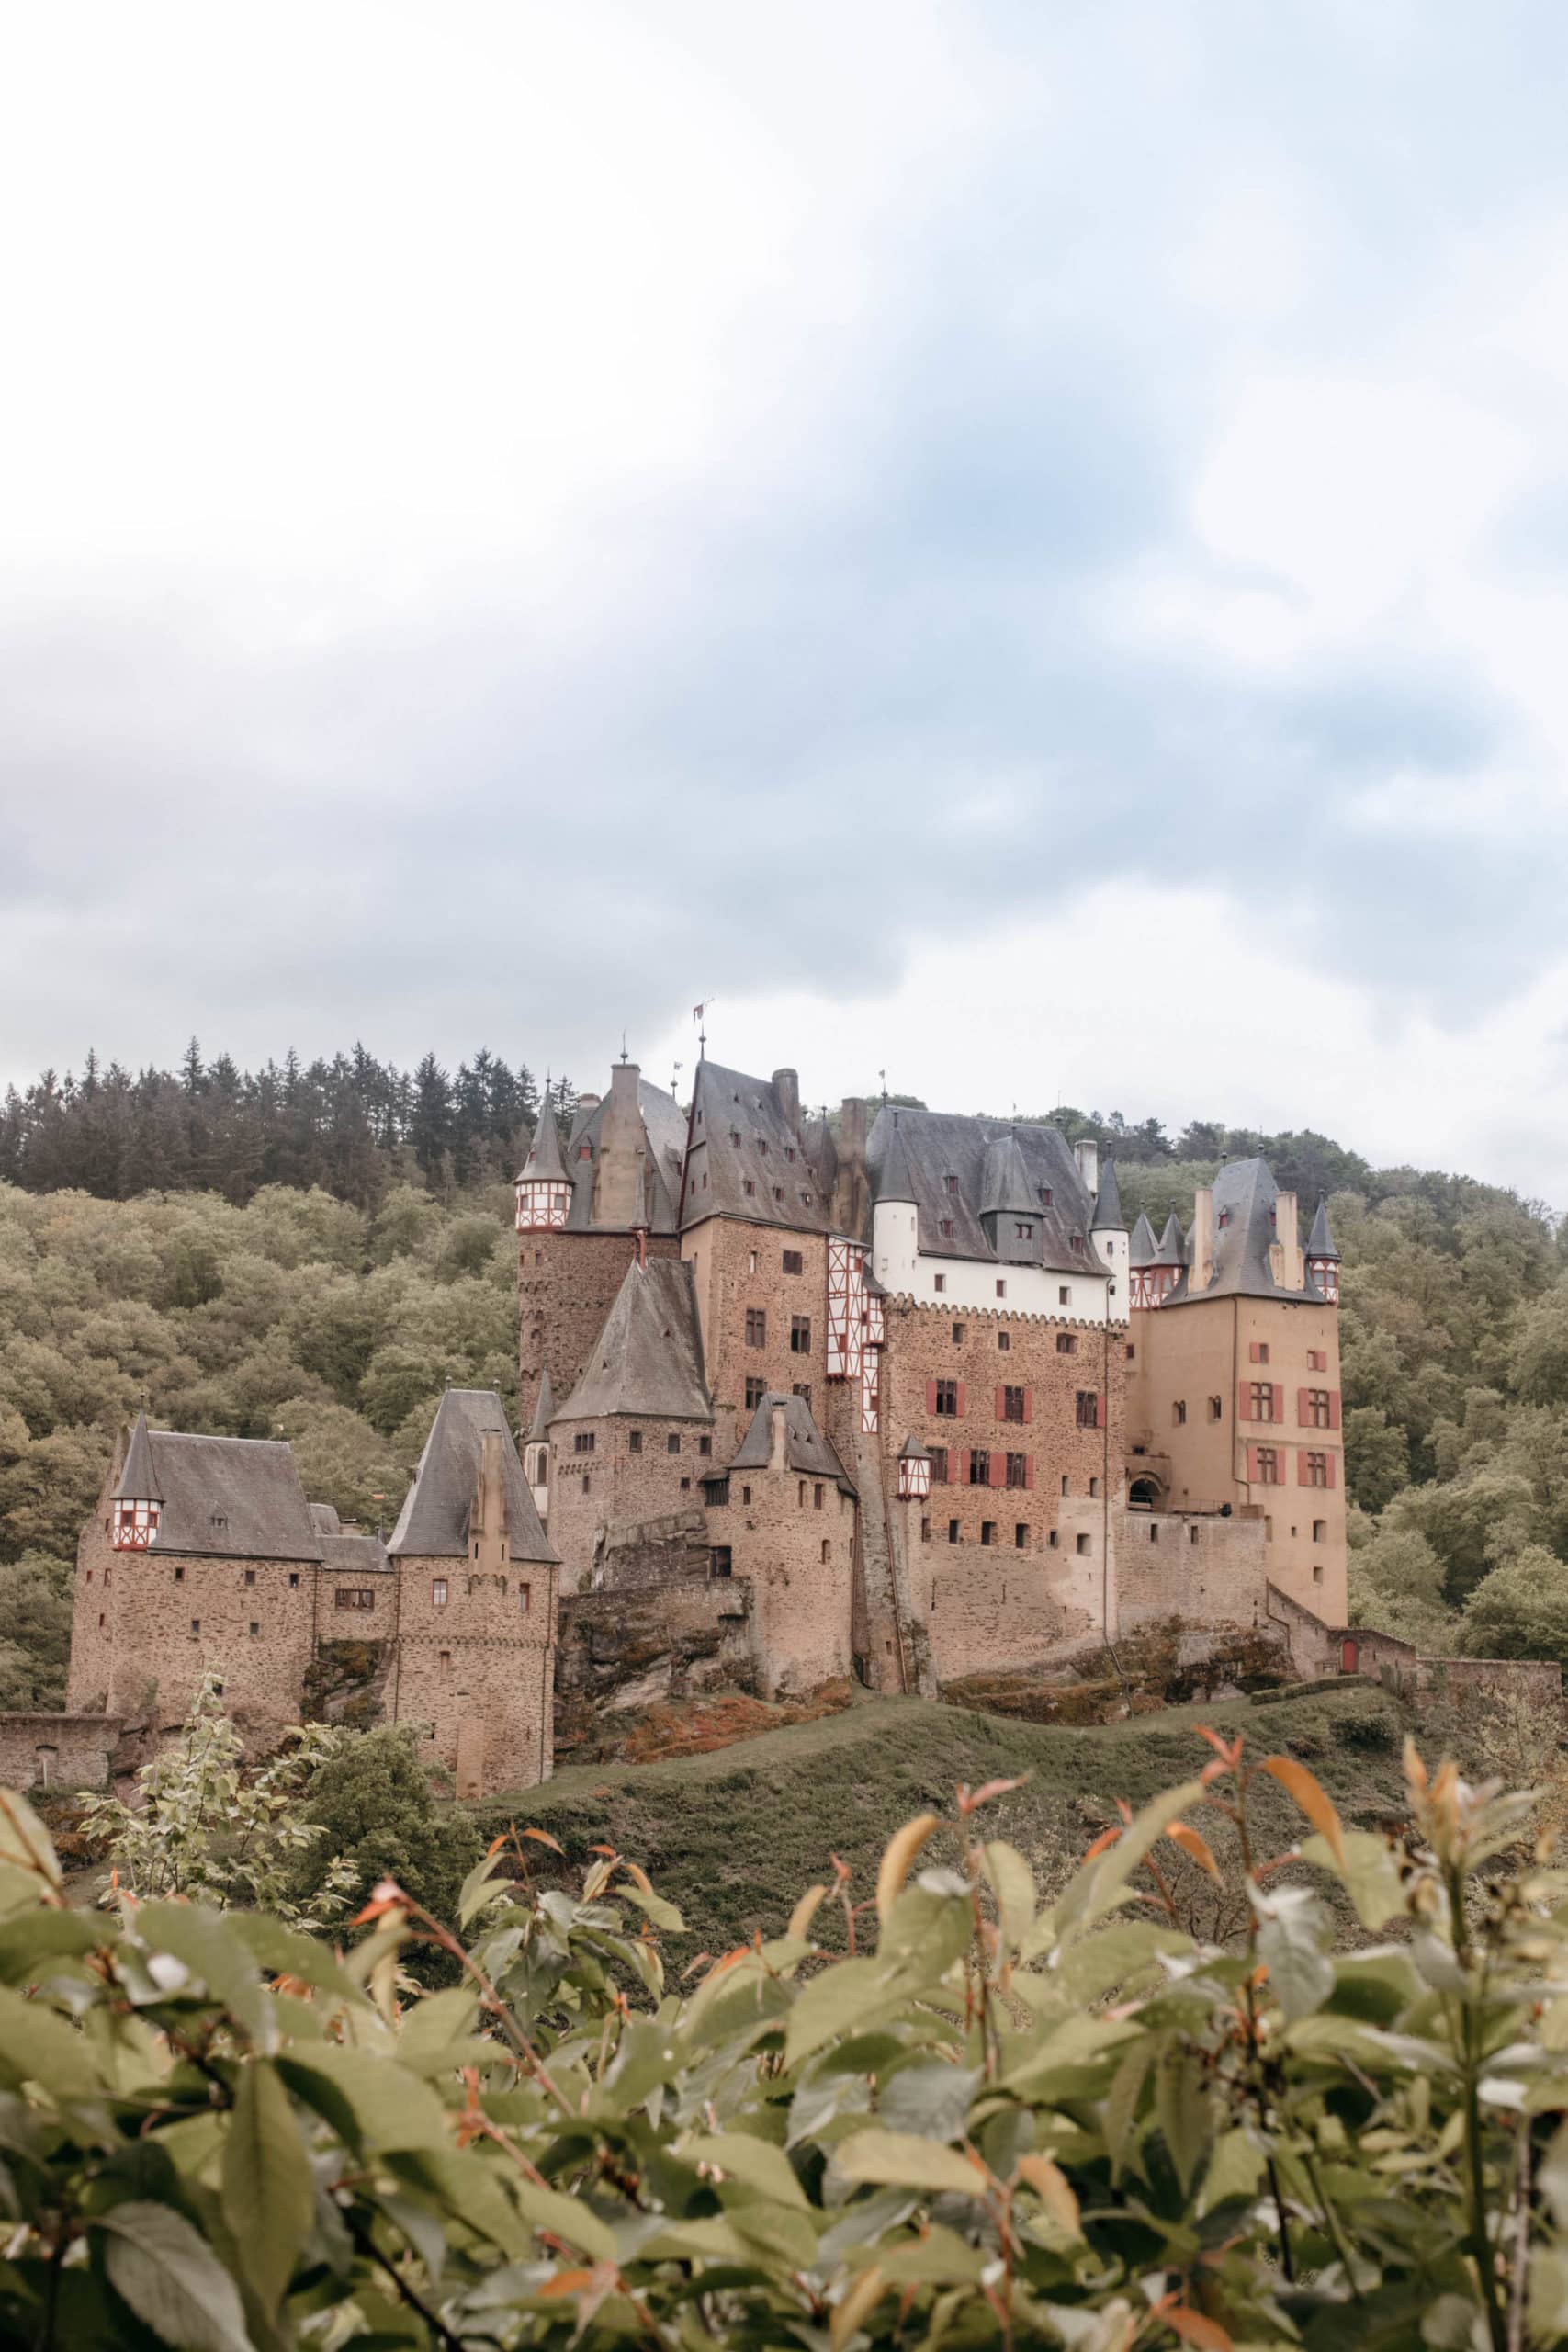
(986, 2123)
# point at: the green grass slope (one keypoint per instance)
(734, 1837)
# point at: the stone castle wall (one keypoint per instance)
(476, 1669)
(793, 1540)
(594, 1495)
(566, 1286)
(1199, 1566)
(737, 1267)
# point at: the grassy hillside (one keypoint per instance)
(736, 1836)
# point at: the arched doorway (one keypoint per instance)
(1144, 1495)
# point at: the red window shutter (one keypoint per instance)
(1252, 1465)
(1334, 1408)
(1303, 1409)
(1331, 1459)
(931, 1397)
(963, 1466)
(962, 1397)
(1256, 1351)
(1027, 1405)
(1280, 1400)
(998, 1467)
(1303, 1479)
(1029, 1472)
(1099, 1411)
(1243, 1402)
(1001, 1404)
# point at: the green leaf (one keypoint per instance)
(437, 2022)
(25, 1843)
(929, 2100)
(371, 2102)
(1369, 1874)
(205, 1942)
(756, 2162)
(900, 2160)
(480, 1887)
(1012, 1882)
(172, 2279)
(283, 1951)
(1291, 1940)
(28, 1944)
(1121, 2100)
(836, 2002)
(1183, 2107)
(565, 2217)
(43, 2047)
(662, 1914)
(1097, 1884)
(268, 2189)
(1234, 2169)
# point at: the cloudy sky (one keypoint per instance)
(1019, 543)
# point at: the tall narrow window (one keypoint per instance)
(800, 1335)
(979, 1466)
(756, 1327)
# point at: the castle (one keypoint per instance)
(898, 1396)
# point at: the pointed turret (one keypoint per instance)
(138, 1498)
(543, 1411)
(894, 1181)
(1322, 1257)
(1173, 1242)
(536, 1446)
(1009, 1209)
(1145, 1249)
(1107, 1216)
(914, 1471)
(544, 1192)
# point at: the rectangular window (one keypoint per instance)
(1021, 1535)
(255, 1629)
(1064, 1297)
(1320, 1530)
(583, 1441)
(980, 1467)
(803, 1390)
(751, 1255)
(249, 1576)
(1132, 1352)
(1001, 1288)
(755, 1392)
(756, 1327)
(987, 1532)
(958, 1335)
(438, 1591)
(1053, 1540)
(952, 1531)
(946, 1399)
(1094, 1491)
(180, 1576)
(827, 1551)
(196, 1624)
(1085, 1545)
(1317, 1360)
(944, 1227)
(1088, 1408)
(720, 1561)
(816, 1496)
(1268, 1467)
(745, 1494)
(941, 1282)
(294, 1580)
(1260, 1398)
(1179, 1414)
(672, 1443)
(794, 1263)
(1259, 1351)
(705, 1445)
(1319, 1412)
(1023, 1233)
(1018, 1469)
(525, 1595)
(800, 1335)
(634, 1442)
(1317, 1469)
(1154, 1531)
(952, 1183)
(925, 1531)
(355, 1596)
(1192, 1535)
(748, 1187)
(939, 1464)
(1066, 1343)
(1012, 1405)
(1216, 1408)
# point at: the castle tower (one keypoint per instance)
(1171, 1263)
(1108, 1232)
(544, 1195)
(138, 1498)
(1322, 1257)
(536, 1449)
(894, 1218)
(1143, 1257)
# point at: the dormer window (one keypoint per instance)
(1023, 1232)
(585, 1151)
(952, 1183)
(1077, 1243)
(1044, 1196)
(735, 1138)
(789, 1151)
(135, 1525)
(761, 1147)
(944, 1227)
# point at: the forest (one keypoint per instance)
(314, 1252)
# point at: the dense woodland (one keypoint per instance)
(314, 1252)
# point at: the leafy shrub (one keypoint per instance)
(984, 2122)
(1374, 1733)
(378, 1817)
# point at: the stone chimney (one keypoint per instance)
(1201, 1242)
(1086, 1152)
(787, 1090)
(1285, 1256)
(487, 1521)
(586, 1102)
(618, 1169)
(851, 1181)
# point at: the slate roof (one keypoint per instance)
(544, 1153)
(543, 1411)
(807, 1452)
(231, 1498)
(741, 1136)
(664, 1134)
(1172, 1242)
(894, 1181)
(648, 1357)
(1245, 1197)
(940, 1144)
(1145, 1249)
(1107, 1216)
(139, 1479)
(1320, 1242)
(357, 1555)
(434, 1517)
(1004, 1188)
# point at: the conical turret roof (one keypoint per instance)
(1172, 1245)
(139, 1479)
(1320, 1243)
(1107, 1216)
(1145, 1249)
(543, 1159)
(543, 1411)
(894, 1181)
(1004, 1181)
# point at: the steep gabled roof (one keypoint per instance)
(433, 1520)
(139, 1479)
(1320, 1241)
(234, 1498)
(664, 1139)
(894, 1181)
(648, 1357)
(354, 1556)
(1107, 1216)
(543, 1411)
(807, 1452)
(1172, 1245)
(1144, 1248)
(1246, 1204)
(941, 1144)
(1004, 1188)
(544, 1153)
(742, 1136)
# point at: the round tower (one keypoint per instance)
(1108, 1233)
(894, 1223)
(1322, 1257)
(544, 1193)
(137, 1498)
